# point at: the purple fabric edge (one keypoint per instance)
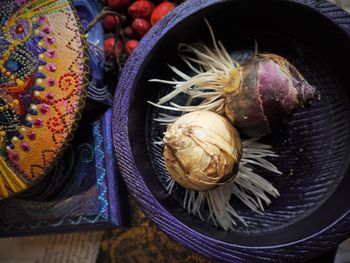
(111, 170)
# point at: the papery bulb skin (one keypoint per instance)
(202, 150)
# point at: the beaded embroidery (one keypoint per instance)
(42, 87)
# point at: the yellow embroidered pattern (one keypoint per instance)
(42, 87)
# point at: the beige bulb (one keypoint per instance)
(202, 150)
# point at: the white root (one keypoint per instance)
(212, 68)
(250, 188)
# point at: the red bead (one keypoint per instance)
(25, 146)
(160, 11)
(140, 26)
(44, 108)
(141, 9)
(110, 22)
(38, 123)
(13, 156)
(109, 44)
(31, 135)
(130, 45)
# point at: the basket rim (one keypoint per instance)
(213, 248)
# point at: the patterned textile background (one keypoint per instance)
(142, 242)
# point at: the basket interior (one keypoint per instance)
(313, 143)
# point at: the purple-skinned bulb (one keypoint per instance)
(270, 89)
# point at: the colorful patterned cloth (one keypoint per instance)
(42, 79)
(143, 242)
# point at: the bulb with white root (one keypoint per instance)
(202, 150)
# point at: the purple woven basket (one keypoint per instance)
(312, 214)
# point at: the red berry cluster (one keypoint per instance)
(135, 19)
